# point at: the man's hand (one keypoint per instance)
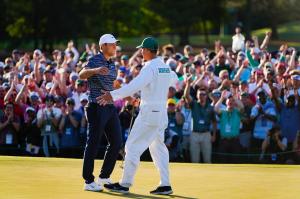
(105, 98)
(260, 83)
(189, 79)
(224, 94)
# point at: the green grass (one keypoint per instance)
(45, 178)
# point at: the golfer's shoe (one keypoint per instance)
(103, 181)
(92, 187)
(163, 190)
(116, 187)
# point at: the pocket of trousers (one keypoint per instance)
(153, 117)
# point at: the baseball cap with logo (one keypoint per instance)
(149, 43)
(107, 39)
(171, 101)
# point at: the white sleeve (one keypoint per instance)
(39, 114)
(143, 79)
(57, 113)
(267, 89)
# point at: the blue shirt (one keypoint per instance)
(262, 124)
(289, 122)
(96, 83)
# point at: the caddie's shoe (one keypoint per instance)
(163, 190)
(116, 187)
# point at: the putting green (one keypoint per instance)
(53, 178)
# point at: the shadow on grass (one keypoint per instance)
(134, 195)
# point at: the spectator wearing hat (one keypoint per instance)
(203, 117)
(72, 82)
(31, 132)
(168, 50)
(219, 61)
(289, 111)
(175, 122)
(238, 40)
(71, 55)
(56, 57)
(214, 96)
(10, 96)
(188, 52)
(22, 99)
(83, 122)
(16, 55)
(48, 121)
(172, 63)
(7, 72)
(253, 55)
(80, 89)
(259, 84)
(46, 78)
(69, 129)
(230, 120)
(125, 62)
(243, 71)
(83, 102)
(264, 116)
(186, 111)
(122, 72)
(246, 122)
(181, 63)
(9, 128)
(272, 147)
(59, 102)
(296, 82)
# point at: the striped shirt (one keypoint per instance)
(96, 83)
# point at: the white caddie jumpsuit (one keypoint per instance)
(153, 81)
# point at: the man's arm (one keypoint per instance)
(220, 101)
(187, 89)
(143, 79)
(266, 40)
(86, 73)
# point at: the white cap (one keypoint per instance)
(30, 109)
(107, 39)
(49, 85)
(84, 97)
(38, 51)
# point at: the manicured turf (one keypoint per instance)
(52, 178)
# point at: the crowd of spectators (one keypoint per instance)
(229, 105)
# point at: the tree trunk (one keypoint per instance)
(205, 31)
(274, 31)
(248, 21)
(184, 37)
